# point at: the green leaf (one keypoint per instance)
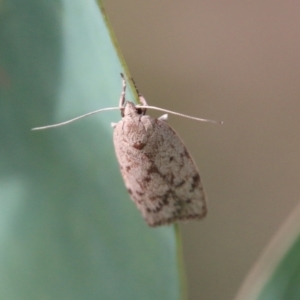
(68, 227)
(276, 275)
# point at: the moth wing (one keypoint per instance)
(161, 177)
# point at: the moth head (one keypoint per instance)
(130, 109)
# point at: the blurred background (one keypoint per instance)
(239, 62)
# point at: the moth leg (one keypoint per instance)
(141, 97)
(122, 98)
(163, 118)
(113, 125)
(143, 100)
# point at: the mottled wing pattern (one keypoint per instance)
(159, 173)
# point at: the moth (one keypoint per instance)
(159, 173)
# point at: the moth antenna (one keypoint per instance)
(75, 119)
(179, 114)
